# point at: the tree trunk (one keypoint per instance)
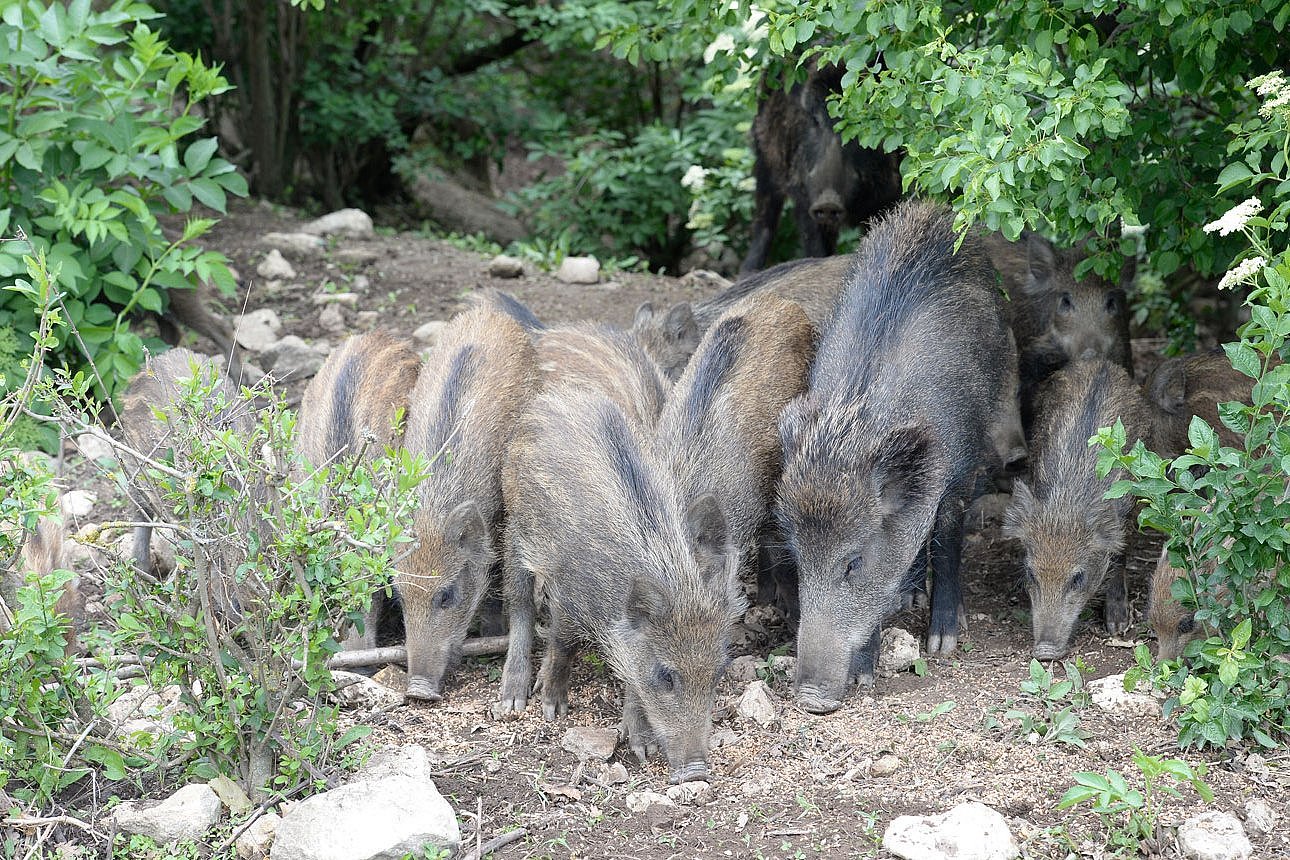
(262, 124)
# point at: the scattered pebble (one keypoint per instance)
(689, 792)
(590, 743)
(354, 223)
(886, 765)
(615, 774)
(94, 447)
(639, 801)
(756, 704)
(744, 668)
(1109, 694)
(331, 320)
(579, 270)
(257, 330)
(299, 244)
(897, 653)
(275, 267)
(969, 831)
(1260, 817)
(503, 266)
(429, 333)
(349, 300)
(78, 503)
(1214, 836)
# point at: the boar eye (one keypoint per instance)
(853, 567)
(1187, 623)
(665, 679)
(1078, 581)
(446, 597)
(1112, 303)
(1067, 303)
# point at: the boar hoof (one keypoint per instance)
(942, 643)
(814, 703)
(509, 709)
(695, 771)
(552, 711)
(644, 750)
(864, 679)
(422, 690)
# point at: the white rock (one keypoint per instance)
(394, 677)
(349, 300)
(94, 447)
(255, 841)
(639, 801)
(427, 334)
(1260, 817)
(722, 737)
(142, 709)
(331, 320)
(257, 330)
(186, 814)
(361, 283)
(897, 652)
(1109, 694)
(783, 664)
(354, 223)
(1214, 836)
(357, 256)
(292, 359)
(579, 270)
(390, 808)
(886, 765)
(969, 831)
(589, 743)
(274, 266)
(299, 244)
(756, 704)
(503, 266)
(615, 774)
(359, 691)
(689, 792)
(744, 668)
(77, 503)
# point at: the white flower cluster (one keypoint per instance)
(1275, 90)
(1236, 217)
(1242, 272)
(694, 178)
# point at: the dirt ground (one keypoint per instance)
(806, 786)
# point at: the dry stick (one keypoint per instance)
(480, 647)
(496, 843)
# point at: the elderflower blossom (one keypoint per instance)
(1236, 217)
(694, 178)
(1242, 272)
(1269, 84)
(1275, 90)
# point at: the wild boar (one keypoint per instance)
(1173, 624)
(43, 551)
(670, 337)
(881, 452)
(1194, 385)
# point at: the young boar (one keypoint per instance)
(1173, 624)
(149, 404)
(351, 406)
(620, 560)
(586, 358)
(670, 337)
(463, 411)
(1056, 318)
(1194, 385)
(506, 303)
(43, 551)
(882, 450)
(1072, 536)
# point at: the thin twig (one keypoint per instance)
(496, 844)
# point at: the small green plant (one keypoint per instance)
(1046, 712)
(1226, 509)
(927, 717)
(1129, 813)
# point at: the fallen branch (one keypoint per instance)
(480, 647)
(495, 843)
(34, 822)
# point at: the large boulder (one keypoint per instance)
(969, 831)
(185, 815)
(389, 809)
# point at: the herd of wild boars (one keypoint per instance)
(615, 485)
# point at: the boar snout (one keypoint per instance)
(695, 771)
(827, 209)
(813, 701)
(426, 673)
(1049, 649)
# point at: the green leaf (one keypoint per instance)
(1241, 635)
(198, 155)
(1244, 359)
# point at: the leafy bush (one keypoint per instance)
(1046, 712)
(1226, 509)
(100, 143)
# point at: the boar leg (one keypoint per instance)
(865, 659)
(769, 206)
(947, 550)
(915, 591)
(560, 648)
(142, 550)
(355, 641)
(635, 728)
(1116, 610)
(517, 673)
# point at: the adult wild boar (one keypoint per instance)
(799, 155)
(469, 395)
(1074, 537)
(881, 452)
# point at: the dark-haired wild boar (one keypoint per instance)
(43, 552)
(149, 406)
(718, 432)
(586, 358)
(881, 452)
(1055, 317)
(799, 155)
(464, 408)
(352, 406)
(1073, 537)
(621, 561)
(1194, 385)
(670, 337)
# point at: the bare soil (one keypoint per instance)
(803, 787)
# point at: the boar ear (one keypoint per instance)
(1169, 387)
(706, 526)
(908, 470)
(1041, 262)
(465, 529)
(793, 420)
(647, 602)
(680, 324)
(1019, 512)
(644, 313)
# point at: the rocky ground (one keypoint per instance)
(787, 784)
